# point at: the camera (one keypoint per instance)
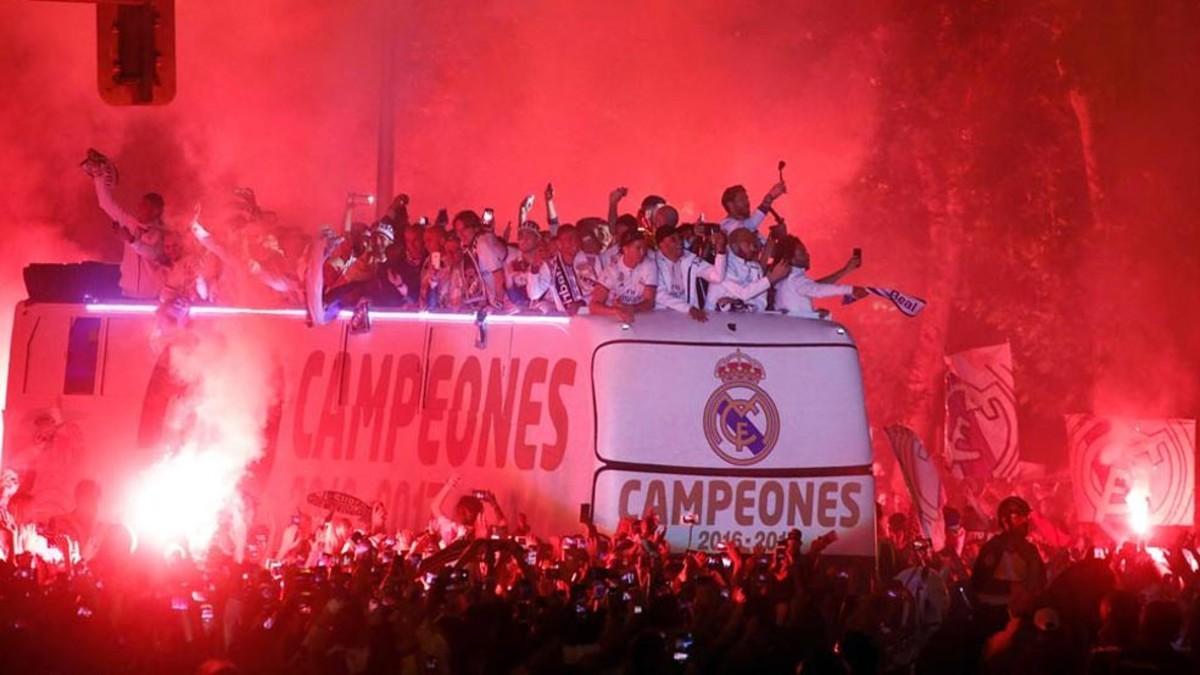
(691, 518)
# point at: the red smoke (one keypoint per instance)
(681, 99)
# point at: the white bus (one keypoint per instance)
(754, 424)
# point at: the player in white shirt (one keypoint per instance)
(745, 284)
(793, 295)
(627, 286)
(737, 208)
(141, 231)
(520, 262)
(679, 269)
(555, 281)
(486, 252)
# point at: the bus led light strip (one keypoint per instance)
(382, 315)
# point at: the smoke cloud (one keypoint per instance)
(493, 100)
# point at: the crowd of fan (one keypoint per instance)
(476, 593)
(618, 265)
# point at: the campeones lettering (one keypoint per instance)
(747, 503)
(453, 411)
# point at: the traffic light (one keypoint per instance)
(135, 51)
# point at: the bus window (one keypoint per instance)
(83, 349)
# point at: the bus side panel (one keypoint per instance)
(418, 403)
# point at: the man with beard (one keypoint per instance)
(736, 201)
(745, 285)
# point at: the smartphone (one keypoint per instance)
(637, 609)
(585, 513)
(206, 613)
(531, 557)
(435, 259)
(179, 603)
(489, 217)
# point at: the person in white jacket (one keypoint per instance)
(679, 269)
(141, 231)
(793, 295)
(746, 282)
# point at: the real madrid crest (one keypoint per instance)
(741, 421)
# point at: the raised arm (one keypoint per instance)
(112, 209)
(614, 199)
(852, 264)
(714, 272)
(437, 506)
(551, 211)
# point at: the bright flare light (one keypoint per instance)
(178, 501)
(1138, 501)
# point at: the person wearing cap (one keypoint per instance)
(627, 286)
(1007, 566)
(738, 216)
(679, 270)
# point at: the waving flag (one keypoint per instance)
(923, 479)
(1120, 466)
(981, 413)
(911, 305)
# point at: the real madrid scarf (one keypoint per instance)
(911, 305)
(566, 286)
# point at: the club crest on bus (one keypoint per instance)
(741, 421)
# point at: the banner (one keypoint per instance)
(750, 511)
(981, 414)
(1122, 469)
(909, 305)
(923, 479)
